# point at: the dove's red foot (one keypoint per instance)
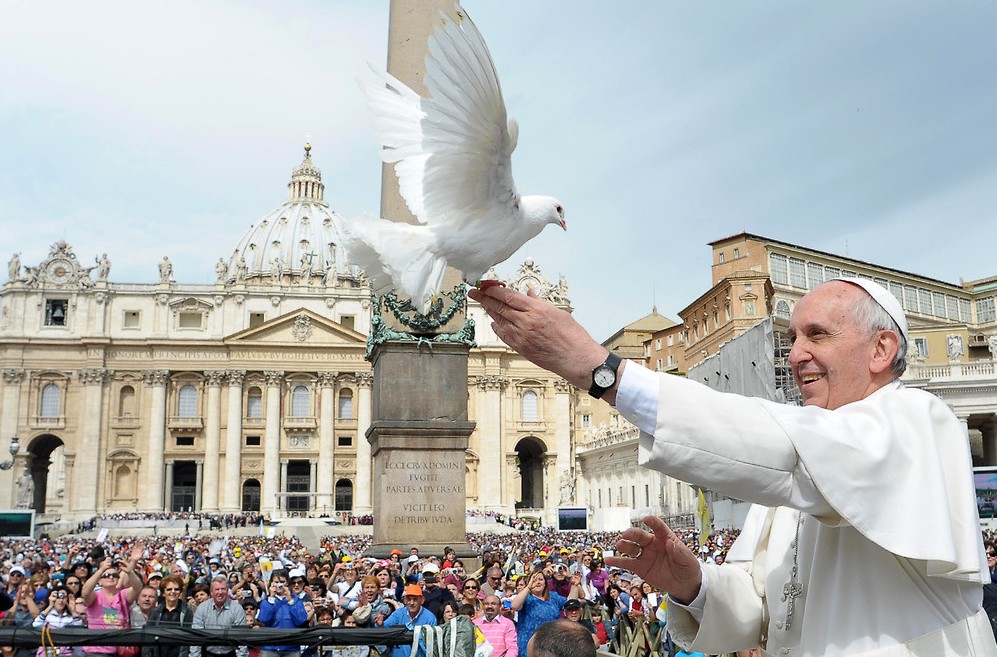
(484, 285)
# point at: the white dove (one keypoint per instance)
(452, 154)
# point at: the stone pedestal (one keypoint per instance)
(418, 437)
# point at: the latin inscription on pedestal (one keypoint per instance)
(422, 491)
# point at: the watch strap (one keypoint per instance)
(612, 362)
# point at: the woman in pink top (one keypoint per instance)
(107, 605)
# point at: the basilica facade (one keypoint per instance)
(249, 394)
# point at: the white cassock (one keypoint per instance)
(873, 502)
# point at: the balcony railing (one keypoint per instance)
(57, 422)
(177, 422)
(971, 370)
(300, 423)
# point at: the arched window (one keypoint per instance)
(299, 402)
(782, 309)
(51, 400)
(346, 404)
(126, 402)
(531, 407)
(254, 403)
(187, 401)
(344, 495)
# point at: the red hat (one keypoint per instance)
(413, 589)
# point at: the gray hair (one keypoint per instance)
(872, 317)
(220, 578)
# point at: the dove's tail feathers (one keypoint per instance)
(397, 256)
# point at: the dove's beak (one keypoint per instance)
(563, 224)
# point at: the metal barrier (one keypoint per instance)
(161, 635)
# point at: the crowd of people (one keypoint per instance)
(206, 580)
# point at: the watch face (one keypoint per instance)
(604, 377)
(59, 271)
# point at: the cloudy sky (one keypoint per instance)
(144, 129)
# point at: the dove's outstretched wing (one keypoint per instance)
(452, 151)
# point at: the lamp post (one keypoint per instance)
(14, 448)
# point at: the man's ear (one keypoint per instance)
(885, 349)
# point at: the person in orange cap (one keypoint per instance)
(412, 614)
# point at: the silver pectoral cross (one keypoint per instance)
(790, 592)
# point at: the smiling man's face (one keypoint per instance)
(834, 360)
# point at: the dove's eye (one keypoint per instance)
(560, 210)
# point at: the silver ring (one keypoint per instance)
(640, 551)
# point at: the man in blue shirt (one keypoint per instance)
(412, 614)
(282, 609)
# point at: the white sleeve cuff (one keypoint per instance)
(696, 607)
(637, 396)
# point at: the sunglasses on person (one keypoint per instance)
(171, 589)
(990, 553)
(109, 575)
(471, 588)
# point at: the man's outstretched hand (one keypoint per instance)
(661, 558)
(542, 333)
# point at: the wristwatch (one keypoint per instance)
(604, 376)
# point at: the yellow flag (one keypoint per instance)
(705, 523)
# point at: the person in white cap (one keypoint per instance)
(865, 540)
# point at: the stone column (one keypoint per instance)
(169, 485)
(198, 485)
(511, 479)
(283, 486)
(67, 484)
(361, 492)
(326, 441)
(271, 446)
(311, 485)
(564, 492)
(231, 502)
(152, 499)
(12, 378)
(91, 492)
(489, 423)
(988, 432)
(212, 441)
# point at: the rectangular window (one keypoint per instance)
(56, 312)
(132, 319)
(922, 346)
(815, 274)
(185, 441)
(253, 441)
(659, 364)
(190, 320)
(910, 299)
(255, 319)
(658, 344)
(586, 421)
(347, 321)
(737, 253)
(671, 340)
(344, 441)
(797, 273)
(924, 300)
(985, 310)
(671, 360)
(964, 313)
(779, 268)
(938, 307)
(952, 306)
(831, 272)
(720, 258)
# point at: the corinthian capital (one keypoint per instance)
(156, 377)
(215, 377)
(365, 379)
(327, 379)
(274, 377)
(12, 375)
(492, 382)
(562, 385)
(235, 377)
(95, 376)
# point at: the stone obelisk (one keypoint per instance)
(419, 427)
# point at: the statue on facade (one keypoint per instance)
(567, 488)
(30, 277)
(241, 270)
(25, 490)
(165, 270)
(221, 269)
(955, 349)
(103, 267)
(14, 267)
(276, 270)
(306, 268)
